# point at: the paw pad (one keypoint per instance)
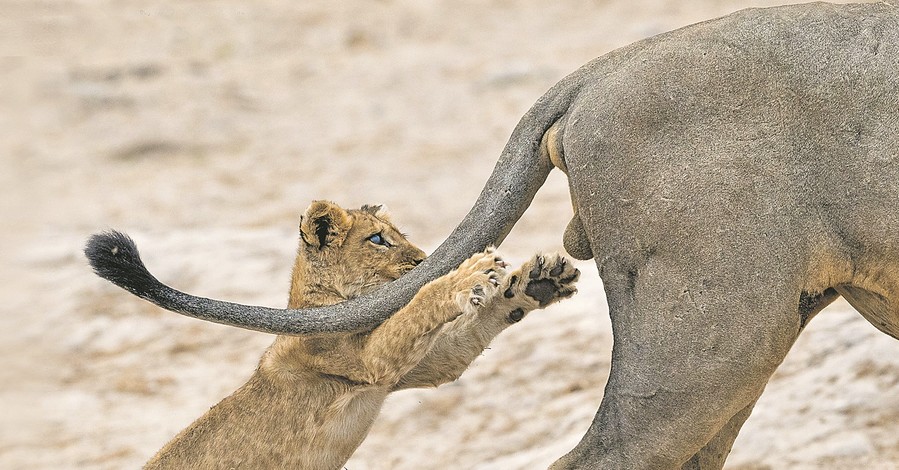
(516, 315)
(551, 278)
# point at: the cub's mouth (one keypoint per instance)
(403, 270)
(408, 266)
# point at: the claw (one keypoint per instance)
(558, 268)
(538, 266)
(571, 278)
(566, 292)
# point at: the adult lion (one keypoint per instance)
(731, 179)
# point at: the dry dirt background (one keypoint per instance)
(204, 128)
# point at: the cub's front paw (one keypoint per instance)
(544, 279)
(478, 280)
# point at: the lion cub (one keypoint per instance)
(312, 399)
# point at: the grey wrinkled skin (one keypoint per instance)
(730, 179)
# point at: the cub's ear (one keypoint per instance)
(377, 210)
(324, 224)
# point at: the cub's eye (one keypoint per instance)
(377, 239)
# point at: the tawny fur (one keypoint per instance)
(313, 399)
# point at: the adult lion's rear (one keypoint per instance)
(730, 179)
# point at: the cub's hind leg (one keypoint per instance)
(400, 343)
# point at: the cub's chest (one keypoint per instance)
(349, 417)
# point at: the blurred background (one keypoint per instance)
(204, 129)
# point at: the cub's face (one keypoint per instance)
(375, 252)
(354, 251)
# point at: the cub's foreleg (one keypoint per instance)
(398, 344)
(539, 282)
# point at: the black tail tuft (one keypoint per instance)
(114, 257)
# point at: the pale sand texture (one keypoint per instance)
(204, 128)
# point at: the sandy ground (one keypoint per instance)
(204, 128)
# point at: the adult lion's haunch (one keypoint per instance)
(730, 179)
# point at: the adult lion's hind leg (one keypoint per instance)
(880, 310)
(694, 347)
(715, 452)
